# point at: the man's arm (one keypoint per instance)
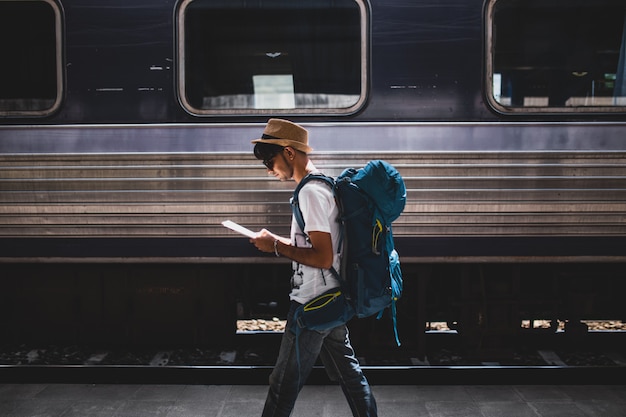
(319, 255)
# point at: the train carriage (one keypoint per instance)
(125, 131)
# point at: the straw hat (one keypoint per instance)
(285, 133)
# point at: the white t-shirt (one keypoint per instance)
(320, 214)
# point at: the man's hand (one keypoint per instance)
(264, 241)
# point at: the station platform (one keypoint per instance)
(162, 400)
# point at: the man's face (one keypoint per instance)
(279, 166)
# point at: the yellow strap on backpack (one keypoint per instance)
(376, 231)
(321, 301)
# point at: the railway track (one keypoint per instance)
(590, 359)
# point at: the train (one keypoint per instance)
(125, 129)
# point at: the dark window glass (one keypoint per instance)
(243, 57)
(556, 55)
(30, 74)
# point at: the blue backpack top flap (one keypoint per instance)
(383, 184)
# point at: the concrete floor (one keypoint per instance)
(122, 400)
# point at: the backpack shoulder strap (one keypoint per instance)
(295, 205)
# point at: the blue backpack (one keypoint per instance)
(369, 200)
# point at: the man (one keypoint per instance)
(284, 149)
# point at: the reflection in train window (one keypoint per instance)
(272, 56)
(556, 55)
(30, 45)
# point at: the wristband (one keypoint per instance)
(276, 249)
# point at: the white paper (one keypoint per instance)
(238, 228)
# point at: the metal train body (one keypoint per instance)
(140, 146)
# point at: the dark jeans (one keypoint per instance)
(294, 365)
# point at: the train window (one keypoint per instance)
(30, 44)
(271, 56)
(556, 56)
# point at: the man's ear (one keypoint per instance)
(291, 153)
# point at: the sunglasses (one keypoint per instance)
(269, 162)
